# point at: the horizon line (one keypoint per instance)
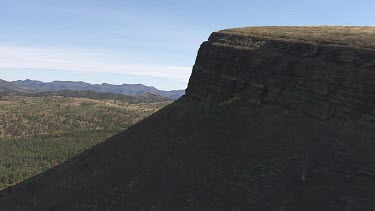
(113, 84)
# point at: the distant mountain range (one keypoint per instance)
(31, 86)
(10, 86)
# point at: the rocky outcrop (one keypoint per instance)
(325, 72)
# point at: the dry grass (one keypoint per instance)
(352, 36)
(6, 102)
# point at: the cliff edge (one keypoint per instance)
(325, 72)
(274, 118)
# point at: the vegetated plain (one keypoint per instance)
(39, 131)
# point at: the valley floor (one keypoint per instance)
(39, 132)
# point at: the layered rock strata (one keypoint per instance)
(325, 72)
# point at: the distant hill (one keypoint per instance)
(125, 89)
(10, 86)
(144, 98)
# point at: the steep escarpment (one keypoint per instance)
(325, 72)
(274, 118)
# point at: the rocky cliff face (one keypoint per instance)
(274, 118)
(325, 72)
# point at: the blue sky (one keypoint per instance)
(149, 42)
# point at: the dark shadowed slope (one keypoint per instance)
(266, 124)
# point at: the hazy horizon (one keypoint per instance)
(151, 43)
(117, 84)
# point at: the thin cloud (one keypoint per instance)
(83, 60)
